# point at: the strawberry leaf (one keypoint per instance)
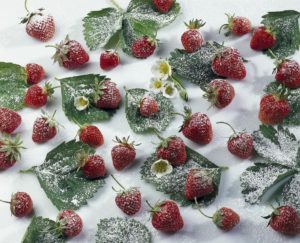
(13, 85)
(73, 87)
(59, 177)
(174, 183)
(39, 231)
(291, 192)
(285, 25)
(138, 123)
(121, 230)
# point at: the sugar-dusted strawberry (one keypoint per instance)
(262, 39)
(166, 216)
(69, 223)
(192, 40)
(163, 6)
(196, 127)
(236, 25)
(9, 151)
(219, 92)
(109, 59)
(128, 200)
(37, 96)
(288, 73)
(39, 25)
(107, 95)
(143, 47)
(91, 135)
(228, 63)
(199, 183)
(124, 153)
(70, 54)
(148, 106)
(35, 73)
(9, 120)
(92, 166)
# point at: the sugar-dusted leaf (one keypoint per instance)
(286, 27)
(291, 192)
(122, 230)
(174, 183)
(61, 180)
(138, 123)
(39, 231)
(100, 26)
(195, 67)
(13, 85)
(73, 87)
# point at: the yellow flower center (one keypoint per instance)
(164, 68)
(160, 167)
(157, 84)
(169, 90)
(83, 102)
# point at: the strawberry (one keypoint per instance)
(219, 92)
(262, 39)
(69, 223)
(39, 25)
(92, 166)
(288, 73)
(143, 47)
(240, 143)
(166, 216)
(191, 39)
(9, 120)
(37, 96)
(35, 73)
(44, 128)
(70, 54)
(199, 183)
(128, 200)
(196, 127)
(236, 25)
(9, 151)
(20, 204)
(91, 135)
(148, 106)
(109, 60)
(163, 6)
(124, 153)
(107, 95)
(228, 63)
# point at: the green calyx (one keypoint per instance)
(228, 26)
(98, 88)
(62, 50)
(82, 158)
(11, 147)
(50, 120)
(49, 89)
(277, 61)
(186, 116)
(123, 190)
(210, 94)
(218, 218)
(156, 208)
(125, 142)
(164, 141)
(281, 92)
(30, 14)
(195, 24)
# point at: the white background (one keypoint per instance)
(17, 47)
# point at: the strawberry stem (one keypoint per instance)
(29, 171)
(26, 8)
(182, 92)
(152, 208)
(272, 54)
(198, 207)
(158, 135)
(116, 5)
(118, 182)
(5, 201)
(228, 125)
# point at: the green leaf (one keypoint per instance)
(100, 27)
(82, 86)
(291, 192)
(138, 123)
(174, 183)
(286, 27)
(38, 231)
(13, 85)
(59, 177)
(194, 67)
(122, 230)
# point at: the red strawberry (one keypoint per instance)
(163, 6)
(236, 25)
(196, 127)
(148, 106)
(219, 92)
(109, 60)
(166, 216)
(172, 149)
(37, 96)
(9, 120)
(9, 151)
(191, 39)
(70, 54)
(35, 73)
(199, 183)
(128, 200)
(91, 135)
(44, 128)
(143, 47)
(92, 166)
(228, 63)
(70, 223)
(263, 39)
(124, 153)
(107, 95)
(288, 73)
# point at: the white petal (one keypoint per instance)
(169, 90)
(81, 103)
(161, 168)
(156, 85)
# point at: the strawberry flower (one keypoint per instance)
(162, 69)
(81, 103)
(156, 85)
(161, 168)
(169, 90)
